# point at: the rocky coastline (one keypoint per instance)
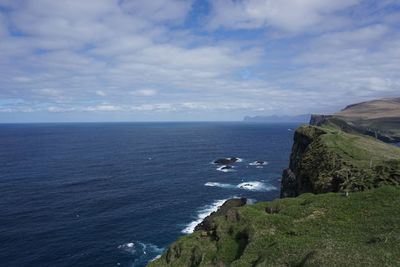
(359, 175)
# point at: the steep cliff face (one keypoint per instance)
(292, 185)
(330, 160)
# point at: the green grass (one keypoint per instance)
(362, 229)
(360, 150)
(337, 161)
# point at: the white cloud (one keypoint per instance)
(101, 93)
(64, 56)
(289, 15)
(144, 92)
(104, 107)
(158, 10)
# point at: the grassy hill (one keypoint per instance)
(378, 118)
(325, 159)
(362, 229)
(382, 108)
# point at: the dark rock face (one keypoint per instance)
(319, 165)
(289, 186)
(319, 120)
(224, 161)
(207, 223)
(296, 179)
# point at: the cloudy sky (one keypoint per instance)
(147, 60)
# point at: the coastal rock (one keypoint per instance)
(319, 120)
(207, 223)
(289, 186)
(329, 160)
(225, 161)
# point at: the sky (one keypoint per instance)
(193, 60)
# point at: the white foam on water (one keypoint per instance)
(142, 252)
(255, 163)
(251, 186)
(222, 185)
(221, 169)
(202, 214)
(156, 258)
(256, 186)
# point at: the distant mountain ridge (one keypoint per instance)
(304, 118)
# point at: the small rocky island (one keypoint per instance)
(339, 206)
(225, 161)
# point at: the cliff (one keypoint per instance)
(326, 159)
(355, 223)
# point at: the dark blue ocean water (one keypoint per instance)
(117, 194)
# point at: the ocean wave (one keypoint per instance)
(202, 214)
(256, 186)
(142, 252)
(251, 186)
(222, 185)
(226, 168)
(258, 163)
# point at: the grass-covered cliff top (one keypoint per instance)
(375, 109)
(326, 159)
(361, 150)
(362, 229)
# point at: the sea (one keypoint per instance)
(117, 194)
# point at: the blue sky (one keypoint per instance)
(163, 60)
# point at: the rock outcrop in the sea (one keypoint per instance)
(225, 161)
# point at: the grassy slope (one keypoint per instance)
(350, 161)
(310, 230)
(360, 149)
(378, 117)
(382, 108)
